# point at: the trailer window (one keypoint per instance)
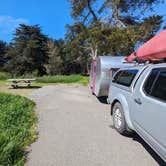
(126, 77)
(159, 89)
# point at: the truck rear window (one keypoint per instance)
(159, 89)
(149, 82)
(125, 77)
(155, 84)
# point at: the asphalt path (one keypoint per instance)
(75, 129)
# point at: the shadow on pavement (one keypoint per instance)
(26, 87)
(103, 99)
(137, 138)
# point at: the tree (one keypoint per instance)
(119, 13)
(55, 62)
(77, 56)
(29, 51)
(83, 10)
(3, 50)
(119, 28)
(123, 13)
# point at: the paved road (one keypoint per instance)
(75, 130)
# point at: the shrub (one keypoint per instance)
(17, 128)
(4, 75)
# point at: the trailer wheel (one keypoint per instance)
(93, 93)
(119, 121)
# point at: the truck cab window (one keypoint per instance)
(159, 89)
(117, 76)
(149, 82)
(127, 77)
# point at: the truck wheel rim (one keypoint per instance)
(118, 118)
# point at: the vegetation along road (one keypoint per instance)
(76, 129)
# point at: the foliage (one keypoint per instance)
(3, 50)
(83, 9)
(17, 128)
(119, 13)
(80, 79)
(106, 27)
(28, 52)
(55, 53)
(119, 28)
(126, 13)
(4, 76)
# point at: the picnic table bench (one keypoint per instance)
(16, 82)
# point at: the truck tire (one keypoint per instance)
(119, 121)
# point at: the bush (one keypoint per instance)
(4, 75)
(17, 128)
(63, 79)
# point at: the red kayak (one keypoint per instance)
(154, 49)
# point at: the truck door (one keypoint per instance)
(148, 111)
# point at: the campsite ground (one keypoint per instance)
(75, 128)
(6, 88)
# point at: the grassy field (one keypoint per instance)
(17, 128)
(42, 81)
(71, 79)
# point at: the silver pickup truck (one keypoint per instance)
(138, 103)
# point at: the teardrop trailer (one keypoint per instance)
(102, 70)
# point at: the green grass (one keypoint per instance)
(4, 75)
(71, 79)
(63, 79)
(17, 128)
(43, 81)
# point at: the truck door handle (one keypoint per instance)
(138, 101)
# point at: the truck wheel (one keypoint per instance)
(119, 119)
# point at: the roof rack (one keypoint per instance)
(153, 50)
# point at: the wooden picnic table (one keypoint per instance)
(16, 82)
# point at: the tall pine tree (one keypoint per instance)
(29, 51)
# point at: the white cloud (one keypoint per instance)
(8, 24)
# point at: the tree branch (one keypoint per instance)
(91, 11)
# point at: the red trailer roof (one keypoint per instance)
(151, 50)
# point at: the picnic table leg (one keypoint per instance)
(29, 84)
(14, 85)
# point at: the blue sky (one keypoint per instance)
(52, 15)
